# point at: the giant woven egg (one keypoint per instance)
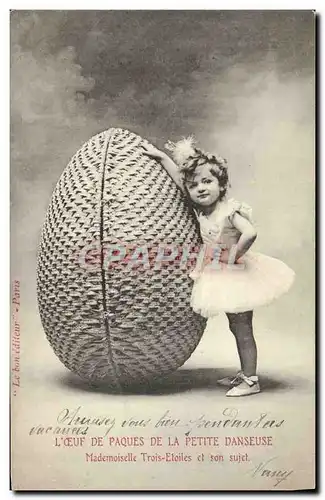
(112, 313)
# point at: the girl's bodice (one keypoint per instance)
(218, 227)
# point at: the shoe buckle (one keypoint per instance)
(248, 380)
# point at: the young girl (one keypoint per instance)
(244, 279)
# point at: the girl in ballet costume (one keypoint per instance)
(242, 279)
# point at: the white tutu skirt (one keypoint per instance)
(239, 288)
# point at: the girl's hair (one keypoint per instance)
(189, 158)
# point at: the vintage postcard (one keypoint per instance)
(162, 250)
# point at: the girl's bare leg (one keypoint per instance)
(241, 325)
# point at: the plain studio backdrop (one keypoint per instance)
(243, 84)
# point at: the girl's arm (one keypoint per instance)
(166, 162)
(247, 237)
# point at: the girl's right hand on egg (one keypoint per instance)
(152, 151)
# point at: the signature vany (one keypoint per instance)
(264, 469)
